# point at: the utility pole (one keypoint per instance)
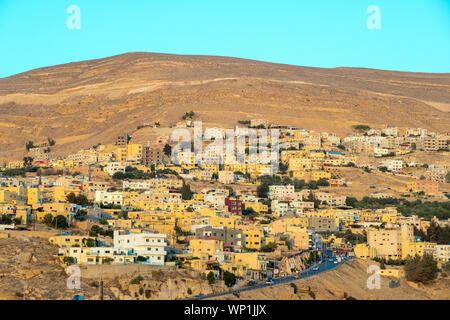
(101, 289)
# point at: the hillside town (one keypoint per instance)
(131, 203)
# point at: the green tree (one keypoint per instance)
(229, 279)
(90, 242)
(48, 220)
(351, 202)
(69, 260)
(167, 150)
(421, 269)
(141, 259)
(27, 161)
(262, 190)
(29, 145)
(186, 193)
(60, 222)
(4, 219)
(211, 278)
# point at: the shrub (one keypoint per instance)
(69, 260)
(211, 278)
(293, 285)
(311, 293)
(421, 269)
(137, 280)
(189, 291)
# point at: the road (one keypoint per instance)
(323, 265)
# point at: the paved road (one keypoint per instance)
(324, 266)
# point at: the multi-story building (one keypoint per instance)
(233, 205)
(281, 193)
(226, 177)
(393, 165)
(113, 167)
(434, 144)
(106, 197)
(230, 237)
(149, 245)
(122, 140)
(426, 186)
(151, 156)
(389, 242)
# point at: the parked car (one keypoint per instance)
(251, 283)
(316, 268)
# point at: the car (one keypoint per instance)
(251, 283)
(330, 260)
(270, 281)
(336, 262)
(316, 268)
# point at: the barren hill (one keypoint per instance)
(81, 104)
(349, 280)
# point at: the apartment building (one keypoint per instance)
(106, 197)
(434, 144)
(281, 193)
(389, 242)
(393, 165)
(234, 205)
(230, 237)
(442, 253)
(113, 167)
(122, 140)
(145, 244)
(151, 156)
(226, 177)
(426, 186)
(321, 224)
(330, 199)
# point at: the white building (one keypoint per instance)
(113, 167)
(443, 252)
(282, 193)
(226, 177)
(393, 165)
(149, 245)
(106, 197)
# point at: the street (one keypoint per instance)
(323, 266)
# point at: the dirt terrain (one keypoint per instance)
(81, 104)
(349, 280)
(30, 270)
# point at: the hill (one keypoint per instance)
(83, 103)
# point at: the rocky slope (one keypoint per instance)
(349, 281)
(84, 103)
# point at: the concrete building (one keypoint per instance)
(149, 245)
(151, 156)
(389, 242)
(230, 237)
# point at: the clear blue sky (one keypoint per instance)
(414, 34)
